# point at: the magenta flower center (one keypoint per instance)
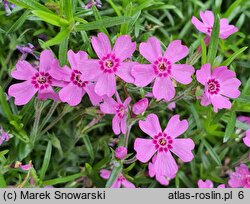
(76, 78)
(109, 63)
(121, 110)
(209, 29)
(162, 67)
(213, 86)
(121, 178)
(163, 142)
(41, 80)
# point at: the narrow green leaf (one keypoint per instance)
(89, 146)
(229, 60)
(214, 41)
(232, 8)
(212, 153)
(63, 49)
(5, 105)
(230, 126)
(18, 23)
(114, 174)
(203, 52)
(107, 22)
(30, 4)
(2, 181)
(185, 179)
(46, 160)
(57, 39)
(67, 6)
(51, 18)
(98, 17)
(243, 98)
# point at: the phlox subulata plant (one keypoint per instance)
(93, 106)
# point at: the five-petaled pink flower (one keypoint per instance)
(246, 139)
(74, 88)
(220, 85)
(119, 109)
(120, 181)
(208, 184)
(162, 68)
(111, 62)
(206, 26)
(163, 165)
(240, 178)
(35, 80)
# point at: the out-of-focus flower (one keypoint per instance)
(206, 26)
(119, 109)
(244, 119)
(246, 139)
(25, 50)
(172, 106)
(162, 68)
(73, 88)
(121, 181)
(240, 178)
(111, 63)
(24, 167)
(208, 184)
(91, 3)
(121, 152)
(163, 165)
(6, 7)
(4, 136)
(140, 106)
(220, 85)
(35, 80)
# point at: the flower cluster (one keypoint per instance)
(163, 72)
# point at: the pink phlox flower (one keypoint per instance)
(24, 167)
(121, 181)
(121, 152)
(208, 184)
(206, 26)
(4, 136)
(111, 63)
(162, 68)
(246, 139)
(35, 80)
(161, 144)
(119, 109)
(240, 178)
(140, 106)
(74, 88)
(220, 85)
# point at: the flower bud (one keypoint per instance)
(140, 106)
(121, 152)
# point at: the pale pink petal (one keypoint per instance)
(106, 85)
(46, 58)
(144, 148)
(46, 93)
(204, 74)
(22, 92)
(205, 101)
(221, 186)
(223, 73)
(124, 71)
(225, 29)
(230, 87)
(236, 180)
(127, 101)
(127, 184)
(94, 98)
(165, 165)
(59, 73)
(246, 139)
(151, 169)
(176, 51)
(90, 69)
(117, 184)
(23, 71)
(108, 106)
(101, 45)
(116, 125)
(199, 25)
(183, 149)
(162, 179)
(75, 58)
(124, 125)
(124, 47)
(151, 125)
(182, 73)
(105, 173)
(71, 94)
(205, 184)
(220, 102)
(151, 50)
(176, 127)
(207, 17)
(143, 74)
(163, 88)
